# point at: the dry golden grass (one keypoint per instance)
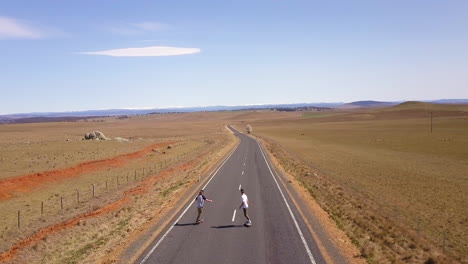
(39, 148)
(380, 174)
(383, 176)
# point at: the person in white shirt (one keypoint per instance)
(245, 205)
(200, 203)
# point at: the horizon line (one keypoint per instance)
(219, 105)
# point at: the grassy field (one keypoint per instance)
(398, 190)
(395, 188)
(48, 174)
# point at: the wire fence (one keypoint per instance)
(72, 202)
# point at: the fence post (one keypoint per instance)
(61, 202)
(396, 214)
(106, 185)
(19, 219)
(77, 196)
(443, 240)
(431, 122)
(418, 229)
(42, 208)
(94, 189)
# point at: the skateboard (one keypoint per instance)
(198, 222)
(247, 224)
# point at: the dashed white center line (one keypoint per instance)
(240, 186)
(242, 172)
(244, 163)
(234, 215)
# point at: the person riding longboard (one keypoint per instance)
(200, 200)
(245, 205)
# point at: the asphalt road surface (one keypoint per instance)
(277, 234)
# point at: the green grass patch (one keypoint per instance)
(317, 114)
(77, 255)
(173, 187)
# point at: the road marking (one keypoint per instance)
(242, 172)
(234, 215)
(183, 213)
(244, 163)
(239, 187)
(312, 260)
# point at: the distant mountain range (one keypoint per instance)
(76, 115)
(366, 104)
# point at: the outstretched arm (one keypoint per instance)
(208, 200)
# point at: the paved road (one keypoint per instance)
(278, 234)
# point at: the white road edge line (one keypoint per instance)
(183, 213)
(312, 260)
(234, 215)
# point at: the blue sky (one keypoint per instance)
(61, 55)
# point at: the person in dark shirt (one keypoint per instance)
(200, 200)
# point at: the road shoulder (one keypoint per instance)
(333, 243)
(139, 244)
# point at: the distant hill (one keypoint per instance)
(366, 104)
(449, 101)
(410, 105)
(77, 115)
(45, 119)
(66, 116)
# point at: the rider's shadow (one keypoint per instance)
(218, 227)
(186, 224)
(226, 226)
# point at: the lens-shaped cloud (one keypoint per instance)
(153, 51)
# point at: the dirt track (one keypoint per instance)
(141, 188)
(27, 183)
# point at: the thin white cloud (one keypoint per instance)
(18, 29)
(150, 40)
(138, 28)
(153, 51)
(151, 26)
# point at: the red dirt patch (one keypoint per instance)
(28, 182)
(8, 255)
(140, 189)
